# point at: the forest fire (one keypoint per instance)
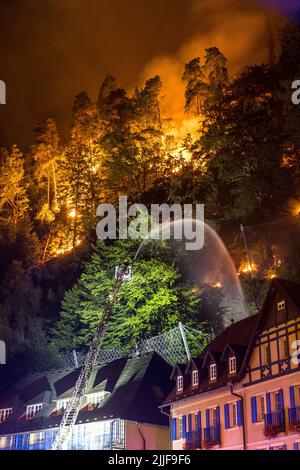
(247, 268)
(72, 214)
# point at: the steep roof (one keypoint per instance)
(137, 387)
(239, 339)
(239, 335)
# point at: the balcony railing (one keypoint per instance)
(274, 423)
(294, 418)
(212, 436)
(193, 440)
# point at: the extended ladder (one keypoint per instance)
(73, 407)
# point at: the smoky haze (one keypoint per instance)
(54, 49)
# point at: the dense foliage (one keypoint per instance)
(242, 162)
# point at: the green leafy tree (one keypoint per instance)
(151, 303)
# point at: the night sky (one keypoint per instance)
(53, 49)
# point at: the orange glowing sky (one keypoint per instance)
(53, 50)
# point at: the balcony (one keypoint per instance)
(193, 440)
(212, 437)
(274, 423)
(294, 418)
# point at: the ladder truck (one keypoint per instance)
(64, 433)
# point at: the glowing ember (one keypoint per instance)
(218, 285)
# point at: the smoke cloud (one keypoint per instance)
(238, 28)
(54, 49)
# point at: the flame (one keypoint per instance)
(67, 249)
(247, 268)
(72, 213)
(218, 285)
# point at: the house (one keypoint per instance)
(120, 409)
(243, 392)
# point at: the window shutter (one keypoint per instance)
(254, 410)
(296, 445)
(218, 416)
(184, 427)
(190, 426)
(207, 419)
(174, 431)
(292, 397)
(199, 437)
(268, 399)
(199, 421)
(226, 415)
(240, 413)
(281, 399)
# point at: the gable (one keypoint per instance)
(280, 291)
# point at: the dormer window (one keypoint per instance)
(32, 410)
(280, 305)
(4, 414)
(95, 399)
(62, 405)
(232, 365)
(213, 372)
(179, 383)
(195, 378)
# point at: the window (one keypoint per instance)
(284, 348)
(96, 399)
(261, 408)
(62, 404)
(213, 372)
(234, 415)
(180, 428)
(267, 355)
(280, 305)
(32, 410)
(232, 365)
(4, 414)
(277, 401)
(214, 417)
(195, 378)
(179, 383)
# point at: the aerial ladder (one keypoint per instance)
(64, 433)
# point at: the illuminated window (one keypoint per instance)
(195, 378)
(277, 401)
(214, 417)
(32, 410)
(261, 408)
(179, 383)
(2, 442)
(281, 305)
(234, 415)
(232, 365)
(95, 399)
(213, 372)
(4, 414)
(62, 404)
(180, 427)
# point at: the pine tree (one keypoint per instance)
(13, 194)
